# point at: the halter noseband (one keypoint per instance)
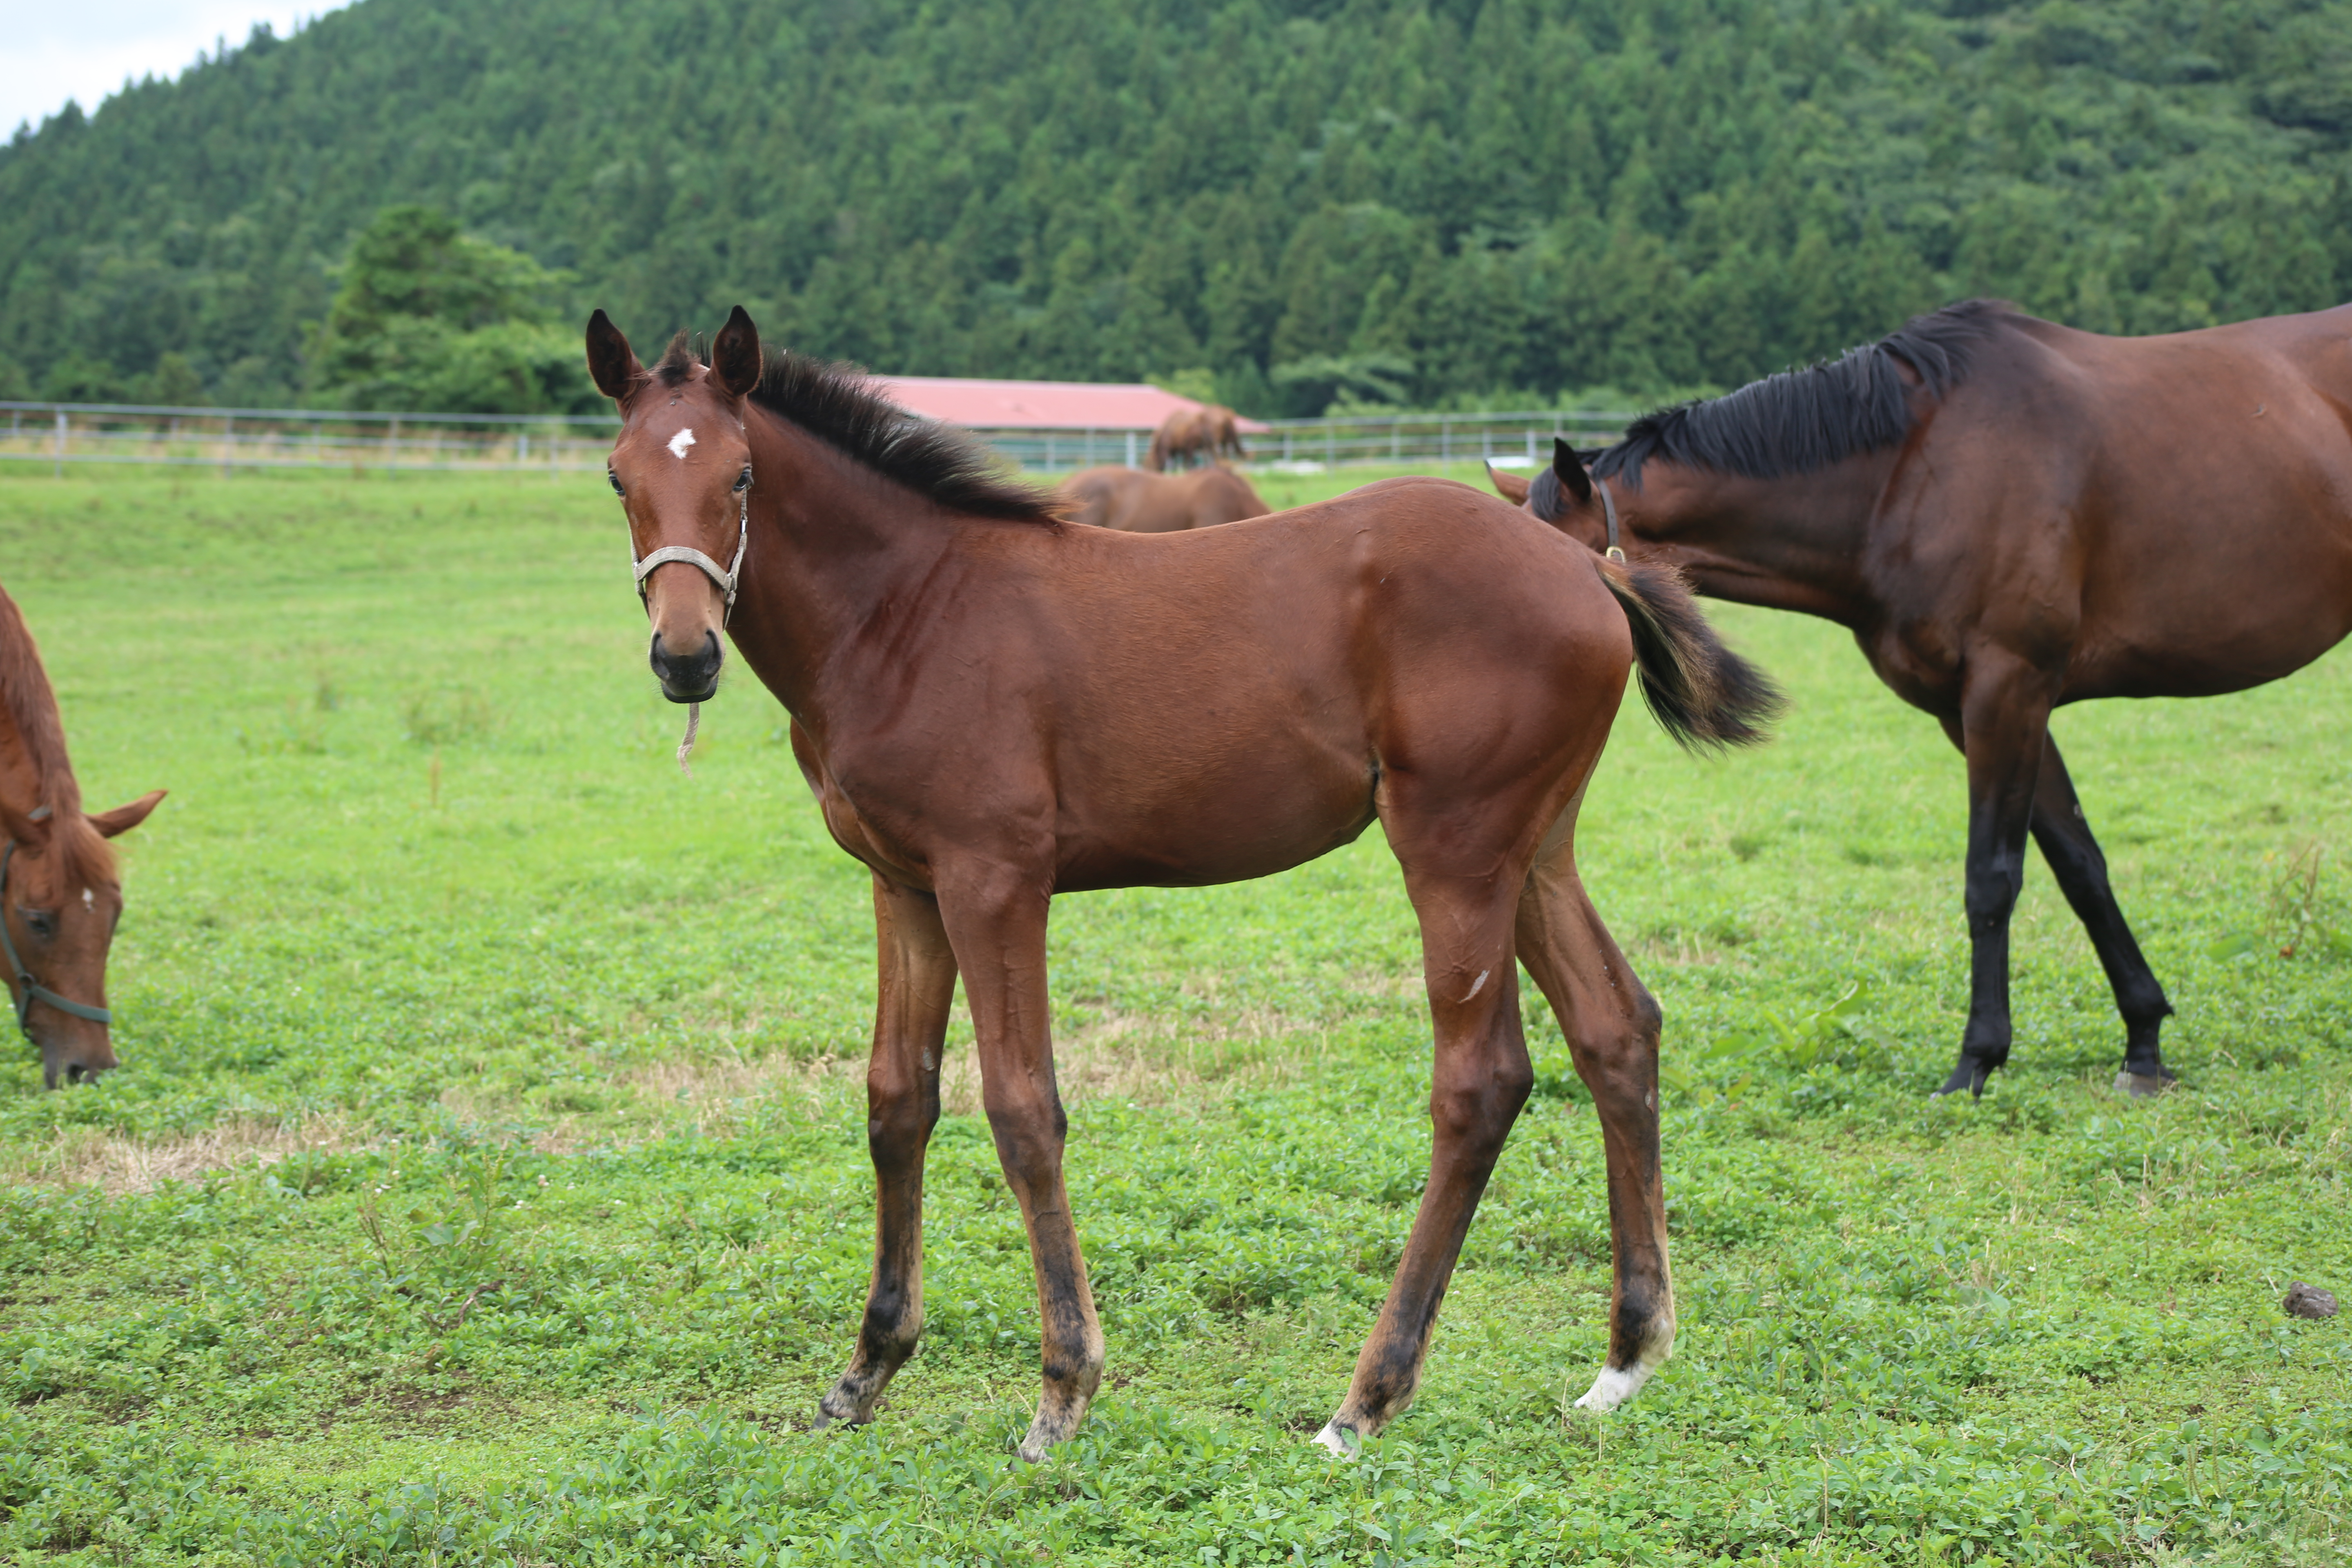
(728, 579)
(27, 990)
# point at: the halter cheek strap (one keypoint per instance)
(728, 579)
(1608, 512)
(28, 991)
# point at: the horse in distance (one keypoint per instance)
(2010, 516)
(993, 707)
(1208, 433)
(1138, 501)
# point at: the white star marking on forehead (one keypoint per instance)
(680, 442)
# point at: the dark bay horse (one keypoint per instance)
(59, 894)
(1137, 501)
(993, 707)
(2010, 515)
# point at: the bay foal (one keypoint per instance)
(993, 707)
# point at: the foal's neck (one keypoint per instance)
(835, 549)
(1788, 543)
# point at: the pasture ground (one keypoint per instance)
(486, 1178)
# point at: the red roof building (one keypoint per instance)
(1038, 405)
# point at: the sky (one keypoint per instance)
(52, 50)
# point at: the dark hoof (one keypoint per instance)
(1970, 1076)
(2145, 1085)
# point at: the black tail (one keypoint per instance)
(1701, 692)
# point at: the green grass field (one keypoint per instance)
(485, 1180)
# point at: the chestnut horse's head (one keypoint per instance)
(59, 898)
(682, 467)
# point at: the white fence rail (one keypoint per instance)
(229, 438)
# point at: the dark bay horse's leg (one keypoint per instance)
(1481, 1080)
(1613, 1025)
(915, 987)
(2060, 829)
(2004, 725)
(995, 917)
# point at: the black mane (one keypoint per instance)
(839, 405)
(1801, 420)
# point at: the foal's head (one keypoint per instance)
(682, 467)
(59, 898)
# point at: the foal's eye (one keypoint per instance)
(42, 923)
(744, 479)
(614, 480)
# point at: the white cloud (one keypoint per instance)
(52, 50)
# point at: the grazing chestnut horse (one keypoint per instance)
(59, 896)
(1136, 501)
(993, 707)
(1191, 436)
(2010, 515)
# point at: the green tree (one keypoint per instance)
(429, 317)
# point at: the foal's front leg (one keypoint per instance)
(915, 987)
(997, 918)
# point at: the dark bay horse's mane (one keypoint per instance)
(27, 703)
(839, 405)
(1802, 420)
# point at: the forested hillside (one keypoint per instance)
(1370, 198)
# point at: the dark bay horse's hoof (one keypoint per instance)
(1970, 1076)
(2145, 1085)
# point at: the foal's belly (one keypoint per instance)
(1221, 814)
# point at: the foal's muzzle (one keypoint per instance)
(689, 676)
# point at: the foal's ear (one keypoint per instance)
(124, 818)
(1571, 472)
(735, 353)
(1510, 487)
(612, 363)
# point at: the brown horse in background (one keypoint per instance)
(993, 707)
(59, 894)
(1135, 501)
(1202, 435)
(2011, 515)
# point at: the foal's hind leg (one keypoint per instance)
(1612, 1026)
(916, 986)
(1481, 1077)
(2065, 835)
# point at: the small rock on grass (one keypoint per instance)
(2308, 1301)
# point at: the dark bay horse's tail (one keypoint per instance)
(1704, 694)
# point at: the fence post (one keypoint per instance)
(228, 445)
(57, 464)
(1396, 439)
(1131, 448)
(1445, 438)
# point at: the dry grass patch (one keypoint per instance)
(116, 1166)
